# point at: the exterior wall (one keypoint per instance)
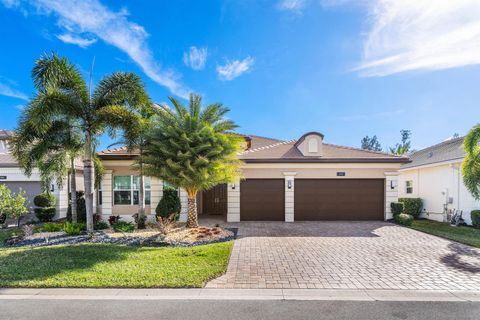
(304, 146)
(438, 186)
(391, 192)
(233, 202)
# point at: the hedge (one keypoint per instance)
(475, 215)
(411, 206)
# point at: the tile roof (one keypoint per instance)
(5, 134)
(7, 160)
(444, 151)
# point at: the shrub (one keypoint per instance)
(73, 229)
(123, 226)
(411, 206)
(51, 227)
(397, 208)
(113, 219)
(100, 225)
(140, 220)
(81, 208)
(404, 219)
(169, 204)
(44, 200)
(45, 214)
(475, 215)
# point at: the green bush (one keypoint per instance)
(74, 229)
(397, 208)
(475, 215)
(51, 227)
(81, 208)
(44, 200)
(123, 226)
(100, 225)
(411, 206)
(404, 219)
(45, 214)
(170, 203)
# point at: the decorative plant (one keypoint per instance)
(51, 227)
(471, 163)
(101, 225)
(396, 207)
(45, 203)
(28, 230)
(81, 209)
(169, 204)
(13, 205)
(140, 220)
(123, 226)
(411, 206)
(404, 219)
(475, 215)
(73, 229)
(113, 219)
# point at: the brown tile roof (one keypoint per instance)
(5, 134)
(7, 160)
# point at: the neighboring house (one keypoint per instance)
(304, 179)
(12, 176)
(434, 175)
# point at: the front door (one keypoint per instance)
(215, 200)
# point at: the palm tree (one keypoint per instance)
(192, 149)
(109, 107)
(471, 163)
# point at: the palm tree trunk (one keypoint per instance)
(192, 221)
(73, 190)
(88, 180)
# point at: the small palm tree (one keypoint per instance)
(192, 148)
(111, 106)
(471, 163)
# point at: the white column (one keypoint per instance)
(233, 202)
(107, 191)
(289, 196)
(391, 192)
(62, 199)
(156, 193)
(184, 205)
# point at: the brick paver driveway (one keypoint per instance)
(365, 255)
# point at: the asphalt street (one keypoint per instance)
(234, 309)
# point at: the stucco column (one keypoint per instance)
(156, 193)
(289, 196)
(391, 192)
(61, 194)
(107, 192)
(184, 205)
(233, 202)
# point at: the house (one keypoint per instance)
(13, 177)
(434, 174)
(294, 180)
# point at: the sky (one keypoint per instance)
(345, 68)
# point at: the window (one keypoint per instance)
(126, 190)
(313, 145)
(409, 186)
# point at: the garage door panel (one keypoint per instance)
(262, 200)
(339, 199)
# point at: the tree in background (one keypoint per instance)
(471, 162)
(192, 148)
(371, 143)
(109, 107)
(13, 205)
(404, 146)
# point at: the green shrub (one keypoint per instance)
(475, 215)
(44, 200)
(397, 208)
(74, 229)
(404, 219)
(123, 226)
(45, 214)
(100, 225)
(51, 227)
(170, 203)
(411, 206)
(81, 208)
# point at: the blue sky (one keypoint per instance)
(342, 67)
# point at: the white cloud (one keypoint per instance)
(76, 40)
(235, 68)
(419, 35)
(195, 58)
(92, 17)
(378, 115)
(291, 5)
(10, 92)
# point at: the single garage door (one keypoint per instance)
(339, 199)
(262, 200)
(31, 188)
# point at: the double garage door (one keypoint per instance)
(315, 199)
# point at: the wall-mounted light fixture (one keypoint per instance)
(289, 184)
(52, 188)
(393, 184)
(233, 186)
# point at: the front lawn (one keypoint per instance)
(112, 266)
(466, 235)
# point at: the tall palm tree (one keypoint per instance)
(192, 148)
(109, 107)
(471, 163)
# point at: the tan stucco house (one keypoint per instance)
(434, 174)
(294, 180)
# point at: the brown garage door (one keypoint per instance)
(262, 200)
(339, 199)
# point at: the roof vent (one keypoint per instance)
(310, 144)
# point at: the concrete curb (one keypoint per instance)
(238, 294)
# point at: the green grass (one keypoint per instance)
(112, 266)
(466, 235)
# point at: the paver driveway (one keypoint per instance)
(365, 255)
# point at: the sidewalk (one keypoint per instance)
(238, 294)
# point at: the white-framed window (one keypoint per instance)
(409, 186)
(126, 190)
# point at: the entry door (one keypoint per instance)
(215, 200)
